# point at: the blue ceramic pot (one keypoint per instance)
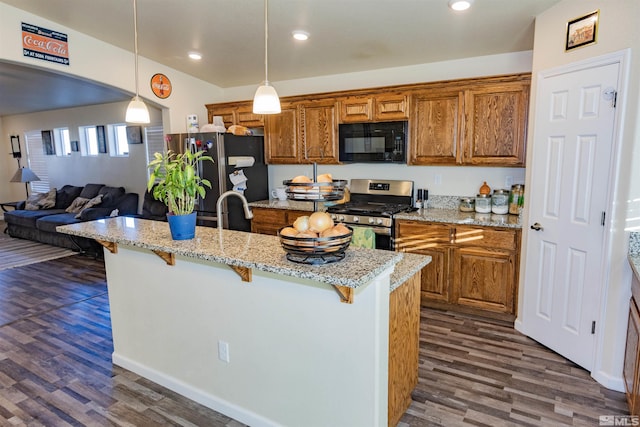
(183, 227)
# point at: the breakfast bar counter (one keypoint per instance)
(226, 320)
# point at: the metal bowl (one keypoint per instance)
(319, 191)
(315, 250)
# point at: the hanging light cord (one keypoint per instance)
(266, 45)
(135, 41)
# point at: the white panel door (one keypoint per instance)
(567, 197)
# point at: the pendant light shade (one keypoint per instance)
(137, 111)
(266, 100)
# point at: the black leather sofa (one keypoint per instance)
(40, 225)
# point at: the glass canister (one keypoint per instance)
(516, 199)
(500, 202)
(467, 204)
(483, 203)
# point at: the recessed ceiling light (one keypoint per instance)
(300, 35)
(460, 4)
(195, 55)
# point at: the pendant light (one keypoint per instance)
(266, 100)
(137, 111)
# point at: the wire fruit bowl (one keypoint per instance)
(318, 191)
(315, 250)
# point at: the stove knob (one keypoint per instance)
(341, 218)
(372, 220)
(379, 221)
(334, 216)
(356, 219)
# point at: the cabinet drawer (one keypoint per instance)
(415, 236)
(485, 237)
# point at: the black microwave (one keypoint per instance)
(373, 142)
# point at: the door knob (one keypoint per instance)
(537, 227)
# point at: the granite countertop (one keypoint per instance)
(243, 249)
(454, 216)
(634, 253)
(292, 205)
(409, 265)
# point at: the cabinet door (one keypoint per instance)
(227, 113)
(495, 124)
(630, 368)
(432, 240)
(319, 132)
(268, 221)
(281, 137)
(484, 278)
(356, 109)
(244, 116)
(435, 128)
(391, 107)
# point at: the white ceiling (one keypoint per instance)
(346, 36)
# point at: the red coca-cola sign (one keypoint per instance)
(44, 44)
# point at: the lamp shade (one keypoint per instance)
(24, 175)
(137, 111)
(266, 100)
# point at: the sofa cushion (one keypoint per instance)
(90, 191)
(26, 218)
(50, 222)
(32, 202)
(111, 196)
(90, 203)
(66, 195)
(49, 201)
(77, 205)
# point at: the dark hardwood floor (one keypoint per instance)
(55, 366)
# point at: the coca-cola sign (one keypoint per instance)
(44, 44)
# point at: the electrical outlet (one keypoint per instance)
(437, 179)
(223, 351)
(508, 181)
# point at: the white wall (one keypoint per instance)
(618, 30)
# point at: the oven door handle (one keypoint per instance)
(386, 231)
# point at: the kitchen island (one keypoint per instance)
(226, 320)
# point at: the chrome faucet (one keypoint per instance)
(247, 212)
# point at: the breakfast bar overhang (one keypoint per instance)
(267, 342)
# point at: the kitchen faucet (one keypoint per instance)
(247, 212)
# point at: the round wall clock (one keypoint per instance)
(161, 85)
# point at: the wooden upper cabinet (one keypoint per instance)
(374, 108)
(281, 136)
(319, 131)
(435, 127)
(495, 124)
(235, 113)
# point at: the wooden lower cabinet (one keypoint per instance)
(631, 368)
(269, 221)
(473, 268)
(404, 344)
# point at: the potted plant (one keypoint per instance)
(175, 182)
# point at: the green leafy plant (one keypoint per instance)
(174, 180)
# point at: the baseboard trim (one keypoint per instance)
(216, 403)
(608, 381)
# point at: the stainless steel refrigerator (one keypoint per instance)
(230, 155)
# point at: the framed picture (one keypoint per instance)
(47, 143)
(75, 146)
(134, 134)
(582, 31)
(102, 141)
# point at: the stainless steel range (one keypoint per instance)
(373, 204)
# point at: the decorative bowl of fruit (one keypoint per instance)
(315, 239)
(325, 188)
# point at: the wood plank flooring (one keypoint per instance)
(55, 366)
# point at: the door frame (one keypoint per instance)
(621, 57)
